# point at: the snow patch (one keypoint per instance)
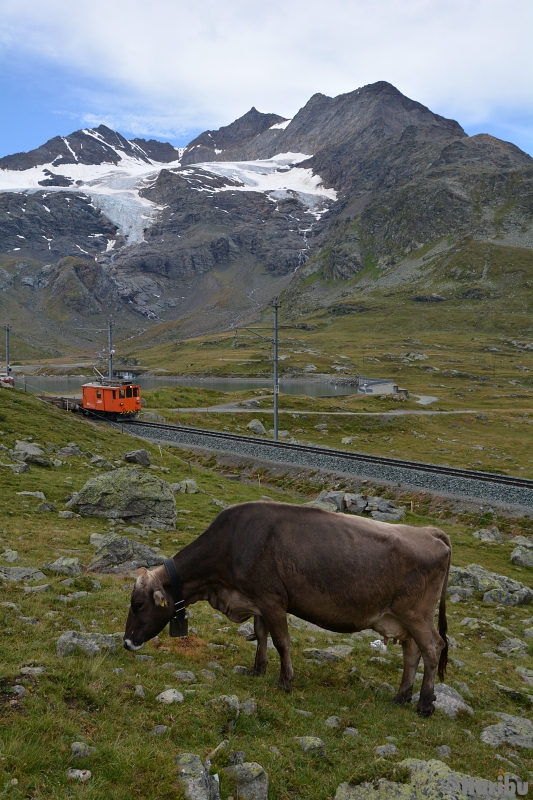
(280, 126)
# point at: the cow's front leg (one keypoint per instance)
(277, 625)
(411, 658)
(261, 657)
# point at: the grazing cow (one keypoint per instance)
(344, 573)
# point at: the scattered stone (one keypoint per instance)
(214, 665)
(516, 731)
(139, 691)
(26, 451)
(444, 751)
(32, 671)
(207, 675)
(15, 574)
(128, 493)
(347, 440)
(311, 744)
(196, 782)
(170, 696)
(522, 557)
(303, 713)
(448, 700)
(249, 707)
(491, 535)
(247, 631)
(68, 515)
(228, 703)
(81, 750)
(350, 732)
(140, 657)
(38, 495)
(514, 694)
(335, 498)
(71, 449)
(45, 508)
(184, 676)
(249, 780)
(44, 587)
(98, 461)
(525, 674)
(138, 457)
(151, 415)
(510, 593)
(256, 426)
(88, 643)
(9, 555)
(64, 566)
(334, 653)
(218, 503)
(239, 669)
(19, 690)
(159, 730)
(385, 750)
(117, 553)
(332, 722)
(188, 486)
(81, 775)
(513, 647)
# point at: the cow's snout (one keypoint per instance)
(128, 644)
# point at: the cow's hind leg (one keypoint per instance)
(430, 644)
(261, 657)
(277, 625)
(411, 658)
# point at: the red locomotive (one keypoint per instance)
(111, 399)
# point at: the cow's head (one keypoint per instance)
(151, 609)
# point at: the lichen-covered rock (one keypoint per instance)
(64, 566)
(15, 574)
(45, 508)
(101, 462)
(448, 700)
(119, 554)
(516, 731)
(185, 676)
(9, 555)
(513, 647)
(88, 643)
(489, 535)
(249, 707)
(311, 743)
(128, 493)
(26, 451)
(481, 580)
(249, 781)
(229, 704)
(195, 780)
(188, 486)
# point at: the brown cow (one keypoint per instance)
(344, 573)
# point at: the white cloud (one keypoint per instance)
(173, 65)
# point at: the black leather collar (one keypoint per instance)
(179, 623)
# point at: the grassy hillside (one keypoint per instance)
(93, 700)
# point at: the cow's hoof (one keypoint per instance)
(403, 697)
(259, 669)
(425, 711)
(284, 686)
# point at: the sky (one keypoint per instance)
(168, 69)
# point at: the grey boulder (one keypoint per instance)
(194, 778)
(138, 457)
(516, 731)
(90, 644)
(249, 781)
(522, 556)
(128, 493)
(64, 566)
(489, 535)
(119, 554)
(188, 486)
(15, 574)
(256, 426)
(481, 580)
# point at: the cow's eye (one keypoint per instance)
(136, 606)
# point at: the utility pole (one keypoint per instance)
(110, 350)
(275, 306)
(8, 368)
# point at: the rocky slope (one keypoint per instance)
(203, 237)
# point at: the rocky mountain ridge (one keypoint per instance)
(202, 237)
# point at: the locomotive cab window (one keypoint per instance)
(98, 393)
(114, 394)
(136, 391)
(128, 391)
(121, 393)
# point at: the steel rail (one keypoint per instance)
(435, 477)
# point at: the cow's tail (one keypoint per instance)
(443, 623)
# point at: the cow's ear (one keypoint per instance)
(159, 598)
(142, 576)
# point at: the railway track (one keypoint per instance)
(432, 477)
